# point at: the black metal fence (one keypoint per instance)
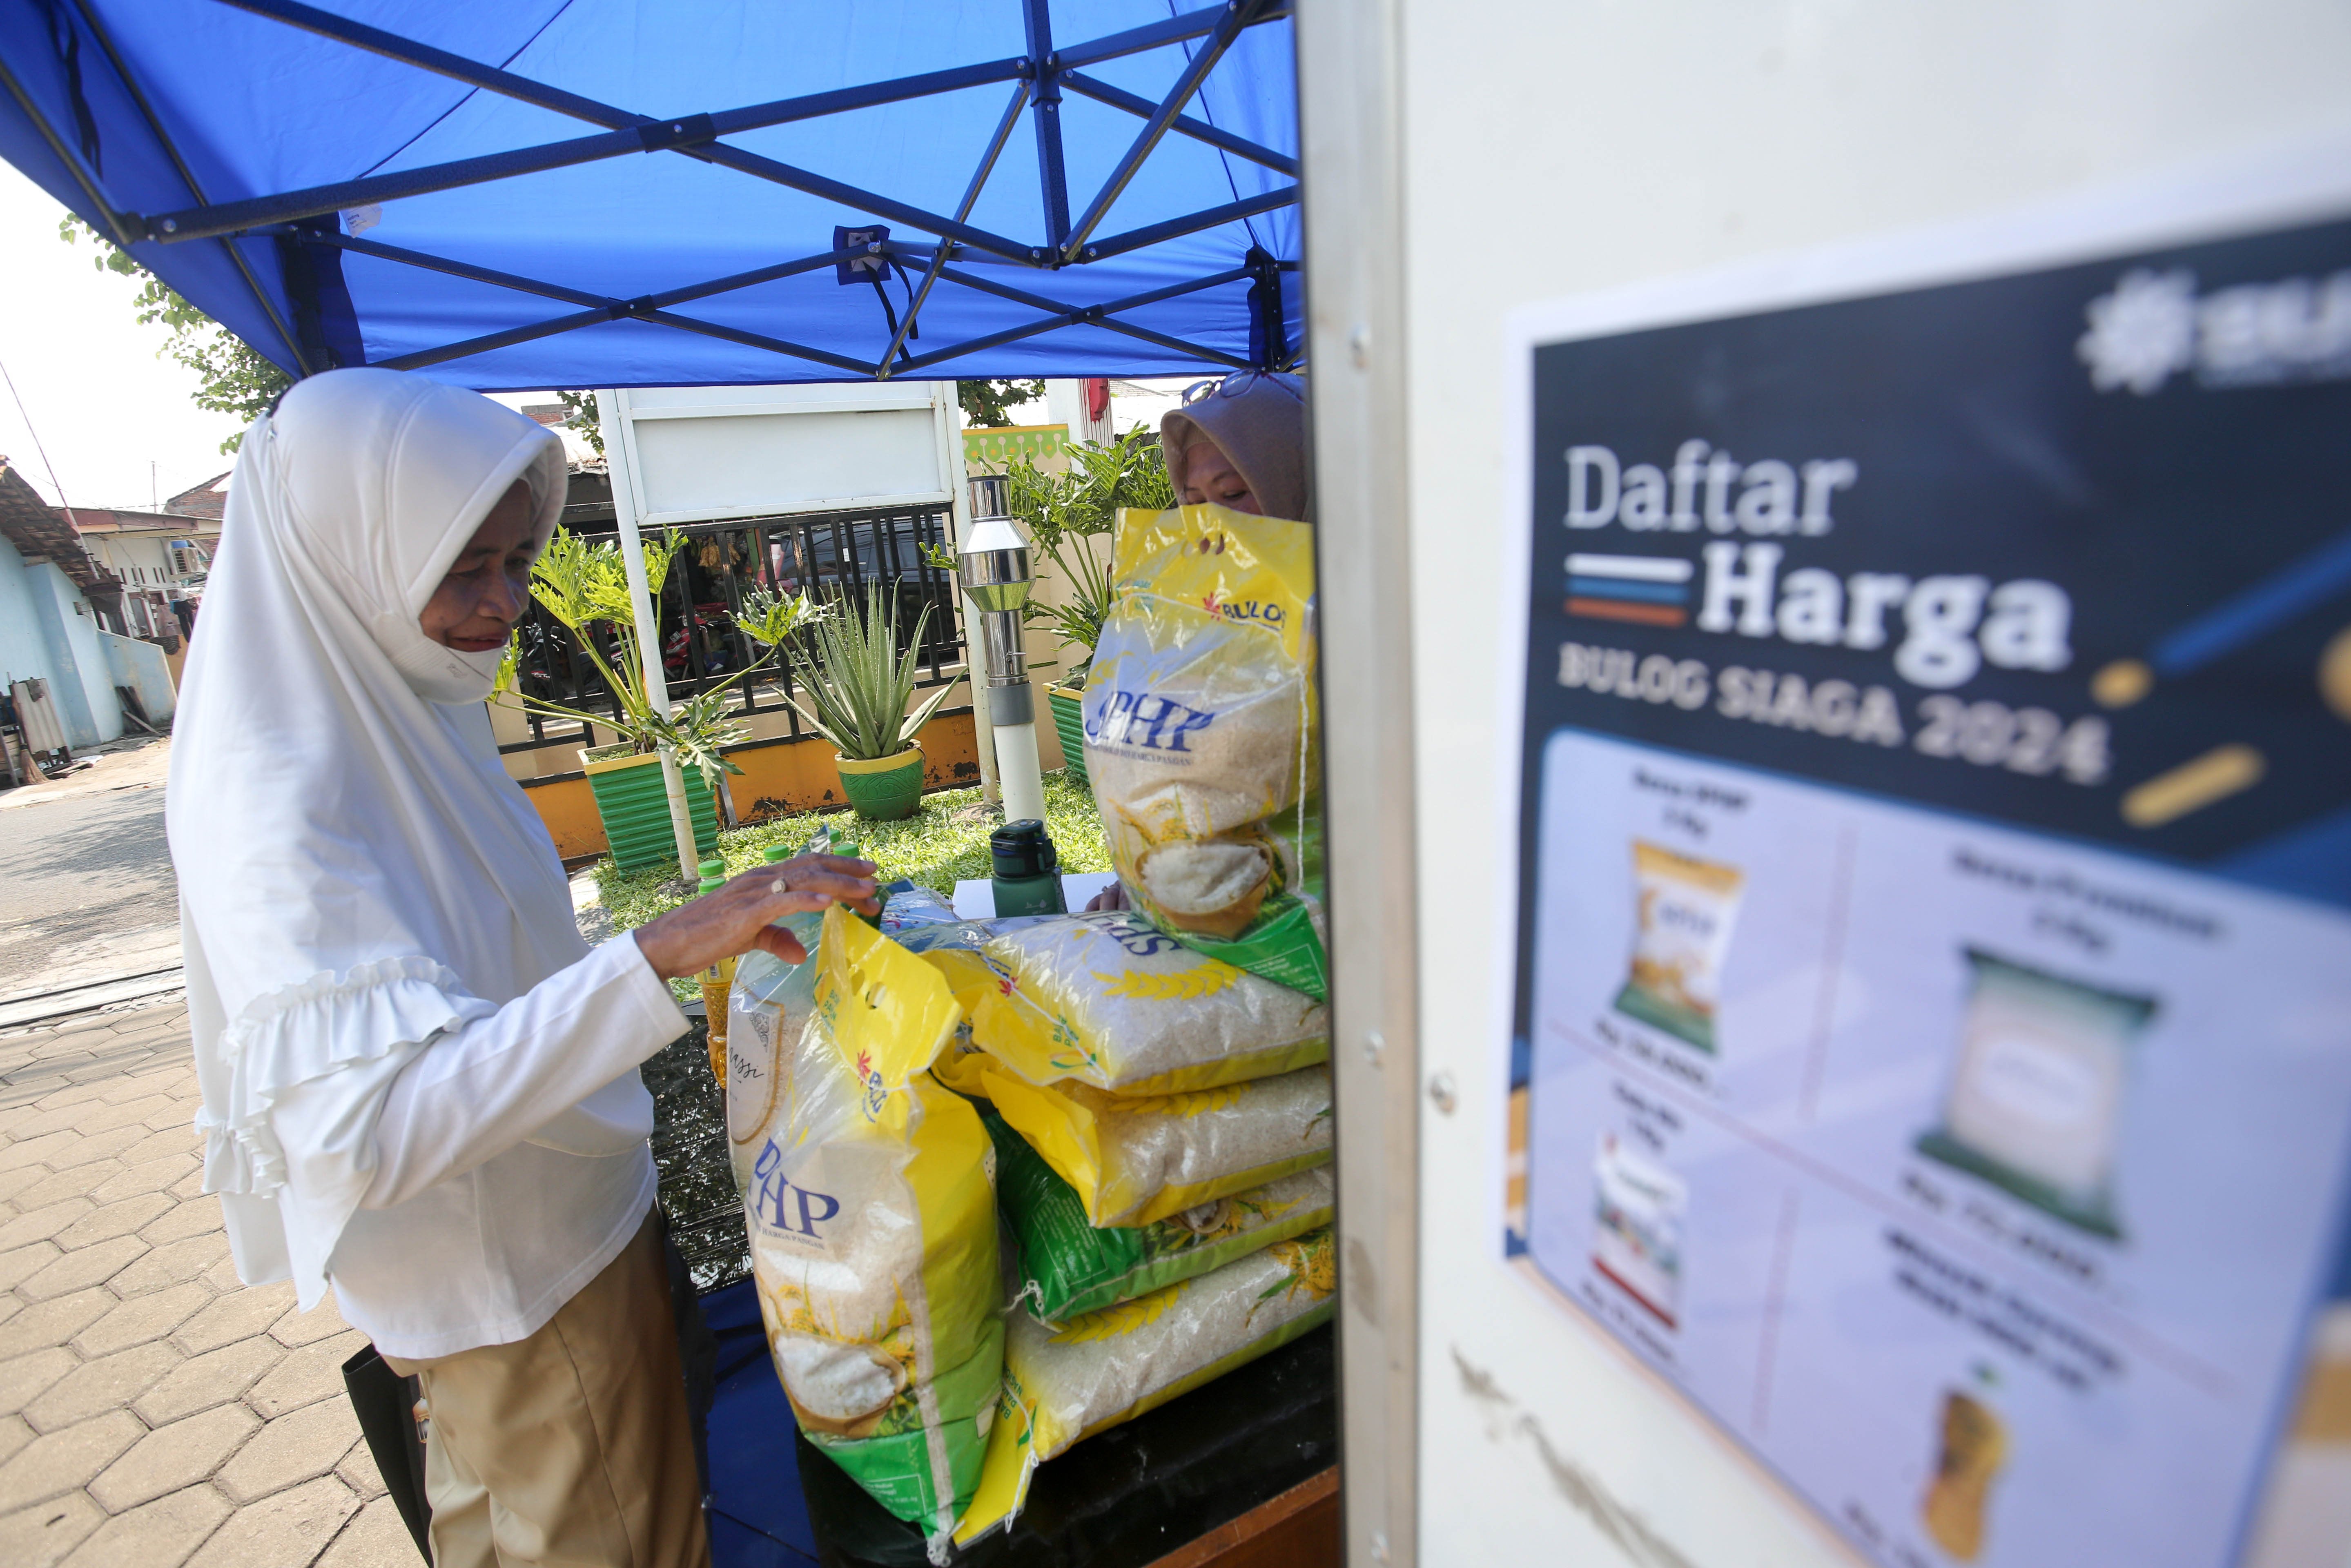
(825, 554)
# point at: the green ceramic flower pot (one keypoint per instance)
(883, 789)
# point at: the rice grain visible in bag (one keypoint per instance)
(1200, 734)
(1094, 1372)
(874, 1234)
(1109, 1001)
(1136, 1160)
(1068, 1267)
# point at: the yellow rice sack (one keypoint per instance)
(1136, 1160)
(1109, 1001)
(871, 1212)
(1200, 723)
(1094, 1372)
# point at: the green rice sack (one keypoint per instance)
(1069, 1267)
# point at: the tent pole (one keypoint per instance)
(619, 442)
(1227, 28)
(952, 471)
(118, 230)
(187, 177)
(945, 249)
(1052, 178)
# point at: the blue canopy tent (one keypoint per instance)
(604, 193)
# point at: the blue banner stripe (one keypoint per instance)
(1618, 587)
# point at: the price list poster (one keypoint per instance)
(1931, 802)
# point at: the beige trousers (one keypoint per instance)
(571, 1447)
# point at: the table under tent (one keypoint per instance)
(612, 193)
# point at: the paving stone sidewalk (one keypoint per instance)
(153, 1411)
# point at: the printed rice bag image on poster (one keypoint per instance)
(2038, 1090)
(1972, 1448)
(1687, 906)
(1636, 1226)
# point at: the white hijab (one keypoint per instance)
(356, 872)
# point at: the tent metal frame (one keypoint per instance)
(308, 238)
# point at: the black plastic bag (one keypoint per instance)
(386, 1405)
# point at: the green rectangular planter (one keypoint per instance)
(1070, 723)
(634, 805)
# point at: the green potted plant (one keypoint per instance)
(858, 682)
(1065, 513)
(584, 585)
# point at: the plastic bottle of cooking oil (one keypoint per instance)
(717, 981)
(856, 852)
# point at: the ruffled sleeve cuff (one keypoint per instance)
(306, 1031)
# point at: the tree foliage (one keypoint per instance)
(232, 377)
(580, 414)
(985, 403)
(1065, 511)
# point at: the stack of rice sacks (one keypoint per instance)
(1156, 1081)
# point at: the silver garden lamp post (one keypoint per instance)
(995, 572)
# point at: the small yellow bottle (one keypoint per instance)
(717, 982)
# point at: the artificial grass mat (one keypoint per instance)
(945, 841)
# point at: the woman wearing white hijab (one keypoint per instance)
(419, 1083)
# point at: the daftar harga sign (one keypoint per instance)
(1932, 1047)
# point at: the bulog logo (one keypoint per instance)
(2154, 325)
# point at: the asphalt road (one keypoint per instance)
(86, 888)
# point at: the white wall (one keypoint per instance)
(140, 666)
(1601, 143)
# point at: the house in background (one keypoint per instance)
(63, 623)
(51, 591)
(209, 499)
(160, 562)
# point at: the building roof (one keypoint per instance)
(209, 499)
(103, 521)
(40, 531)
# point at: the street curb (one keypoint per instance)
(47, 1007)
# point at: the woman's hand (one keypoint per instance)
(736, 918)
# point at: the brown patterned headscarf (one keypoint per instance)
(1258, 419)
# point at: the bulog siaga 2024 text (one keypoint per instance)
(1938, 632)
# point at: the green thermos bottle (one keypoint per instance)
(1028, 870)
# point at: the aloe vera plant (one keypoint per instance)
(584, 584)
(858, 680)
